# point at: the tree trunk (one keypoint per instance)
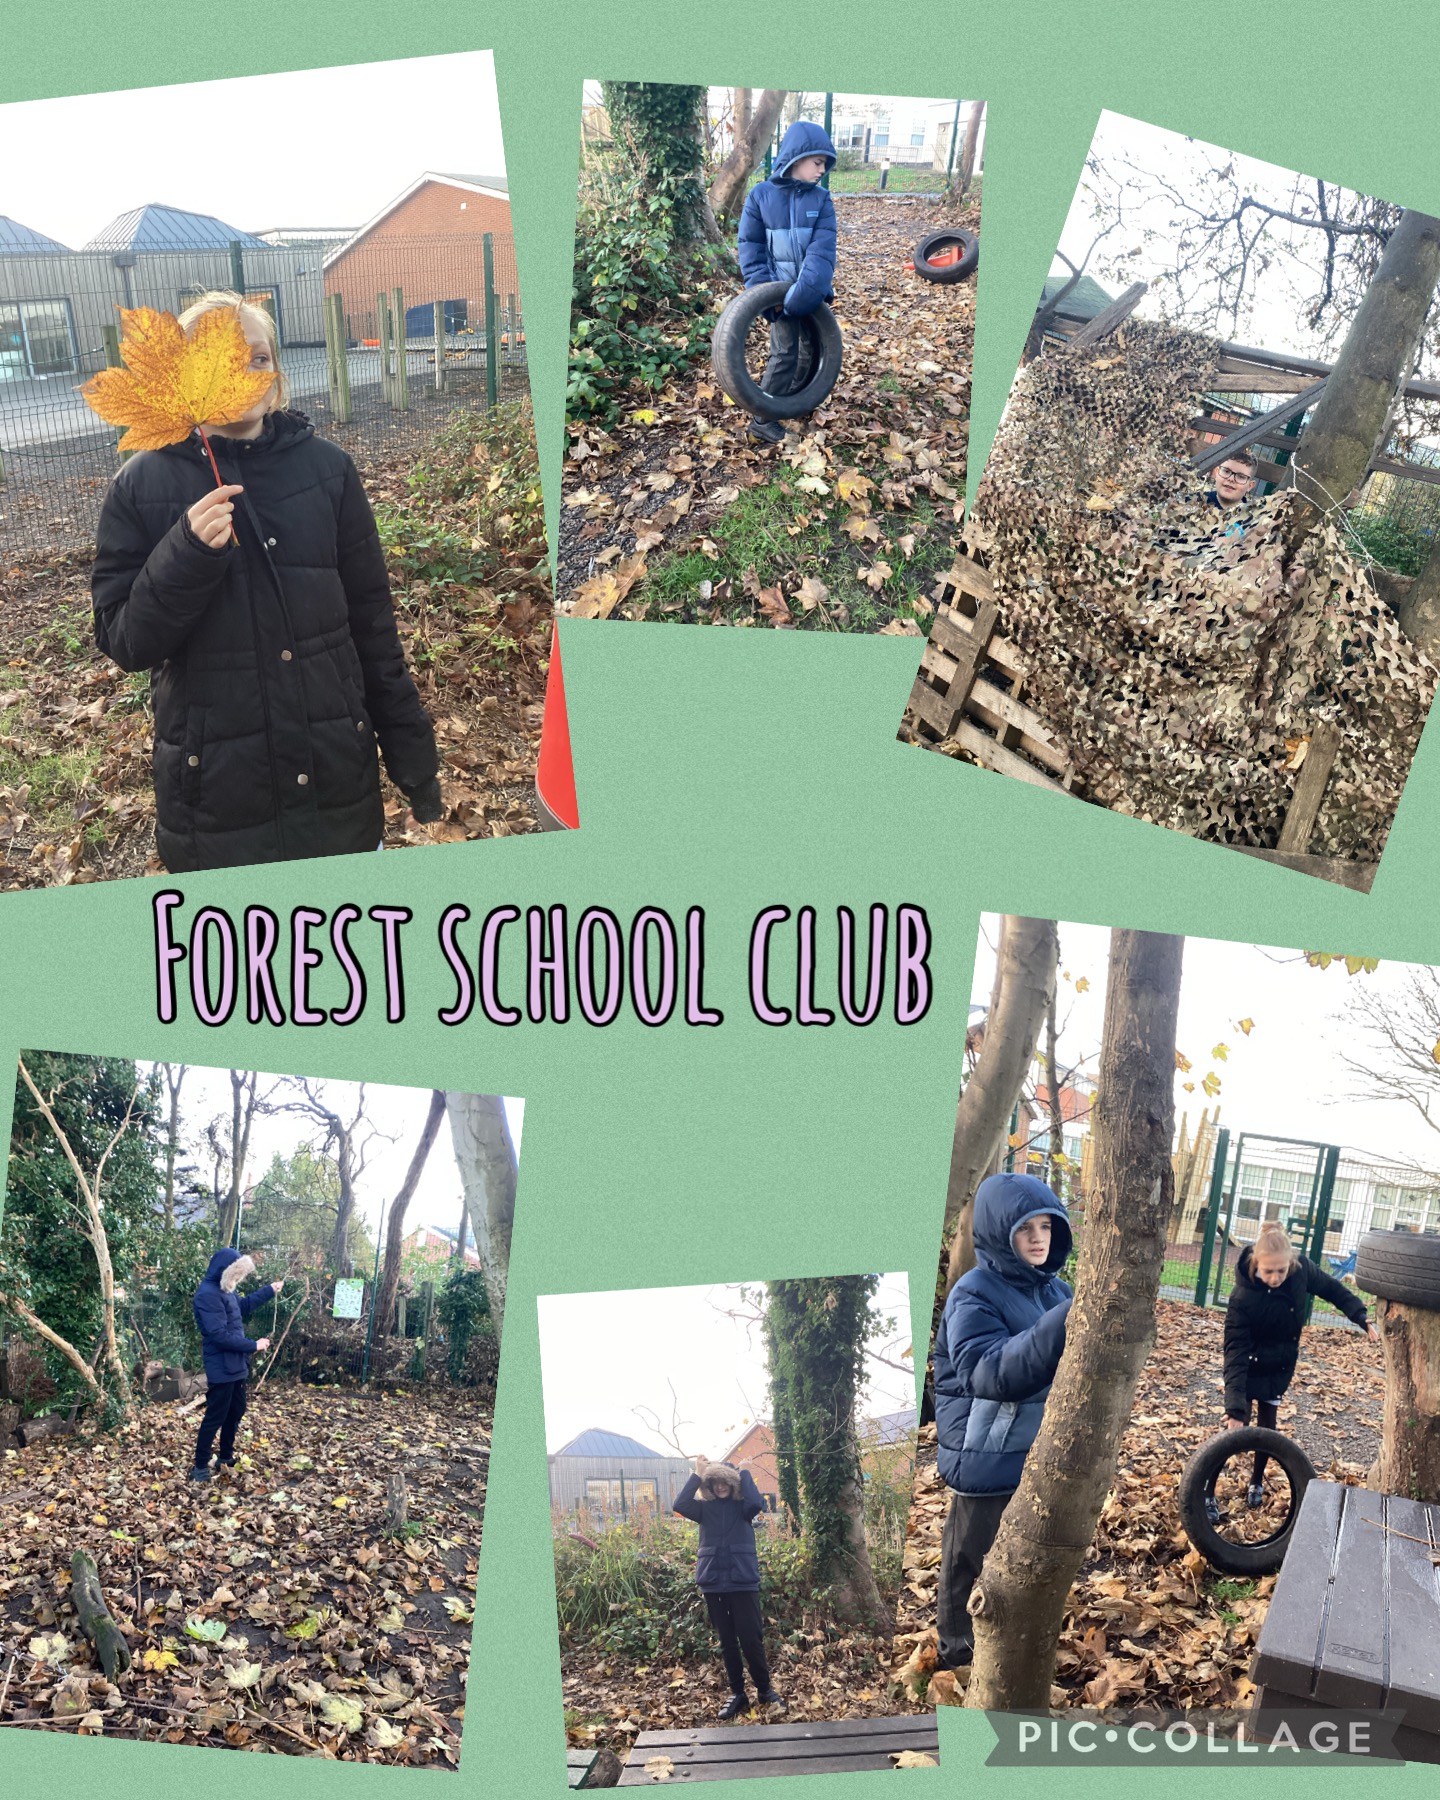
(243, 1083)
(1419, 612)
(344, 1140)
(817, 1330)
(1410, 1436)
(397, 1503)
(727, 190)
(1375, 360)
(95, 1620)
(1052, 1092)
(395, 1229)
(1024, 978)
(11, 1303)
(174, 1074)
(1019, 1602)
(485, 1157)
(966, 171)
(661, 125)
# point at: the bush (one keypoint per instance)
(1393, 543)
(643, 300)
(463, 1308)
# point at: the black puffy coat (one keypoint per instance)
(727, 1562)
(1263, 1326)
(275, 664)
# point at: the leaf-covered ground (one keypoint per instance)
(674, 515)
(269, 1610)
(76, 802)
(1148, 1619)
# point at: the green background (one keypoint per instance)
(730, 769)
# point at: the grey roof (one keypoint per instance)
(1084, 300)
(492, 181)
(610, 1443)
(170, 228)
(19, 240)
(889, 1428)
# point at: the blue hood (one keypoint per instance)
(1004, 1202)
(221, 1261)
(804, 138)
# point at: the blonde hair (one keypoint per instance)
(250, 314)
(1272, 1241)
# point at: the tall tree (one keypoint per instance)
(244, 1102)
(1375, 361)
(782, 1427)
(349, 1135)
(817, 1331)
(1419, 611)
(173, 1075)
(965, 174)
(1024, 982)
(754, 126)
(1018, 1604)
(395, 1227)
(660, 126)
(485, 1157)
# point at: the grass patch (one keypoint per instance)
(906, 179)
(55, 782)
(774, 535)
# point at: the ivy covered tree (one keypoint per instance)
(816, 1332)
(660, 128)
(782, 1427)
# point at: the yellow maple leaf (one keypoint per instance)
(1082, 986)
(159, 1660)
(1221, 1052)
(1211, 1084)
(171, 383)
(1245, 1025)
(1182, 1062)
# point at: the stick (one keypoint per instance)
(9, 1671)
(1409, 1536)
(275, 1348)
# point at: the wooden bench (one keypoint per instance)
(1355, 1618)
(738, 1752)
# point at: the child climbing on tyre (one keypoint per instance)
(788, 233)
(723, 1501)
(999, 1344)
(1263, 1322)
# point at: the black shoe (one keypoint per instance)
(1212, 1509)
(766, 431)
(734, 1706)
(1255, 1495)
(198, 1475)
(960, 1658)
(771, 1698)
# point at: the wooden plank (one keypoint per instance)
(920, 1724)
(1413, 1675)
(759, 1769)
(971, 654)
(1408, 471)
(991, 755)
(1108, 320)
(999, 651)
(577, 1766)
(1274, 440)
(1351, 1671)
(933, 707)
(1006, 715)
(1255, 431)
(970, 576)
(1310, 785)
(1357, 875)
(1288, 1651)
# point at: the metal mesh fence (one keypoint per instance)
(359, 347)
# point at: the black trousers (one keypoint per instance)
(1267, 1413)
(224, 1409)
(737, 1621)
(783, 368)
(970, 1528)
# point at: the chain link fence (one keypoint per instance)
(380, 340)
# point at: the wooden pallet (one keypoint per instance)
(969, 685)
(727, 1753)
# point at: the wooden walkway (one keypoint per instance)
(739, 1752)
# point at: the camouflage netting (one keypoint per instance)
(1180, 662)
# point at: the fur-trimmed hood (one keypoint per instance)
(721, 1472)
(238, 1271)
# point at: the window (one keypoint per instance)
(37, 337)
(881, 138)
(641, 1493)
(1281, 1197)
(603, 1493)
(917, 137)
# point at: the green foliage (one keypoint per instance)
(463, 1309)
(657, 125)
(782, 1429)
(643, 301)
(1396, 544)
(816, 1331)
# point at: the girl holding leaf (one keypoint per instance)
(237, 560)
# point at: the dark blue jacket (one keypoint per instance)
(727, 1563)
(787, 229)
(220, 1317)
(1000, 1339)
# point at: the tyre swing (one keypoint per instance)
(950, 255)
(818, 369)
(1241, 1527)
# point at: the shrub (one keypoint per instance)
(463, 1308)
(1394, 543)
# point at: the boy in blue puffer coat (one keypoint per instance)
(220, 1314)
(724, 1501)
(999, 1344)
(787, 233)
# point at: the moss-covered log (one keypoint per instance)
(94, 1615)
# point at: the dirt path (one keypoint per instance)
(675, 515)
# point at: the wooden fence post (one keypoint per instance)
(439, 345)
(399, 1315)
(382, 331)
(427, 1288)
(402, 371)
(332, 357)
(111, 335)
(492, 385)
(512, 324)
(342, 357)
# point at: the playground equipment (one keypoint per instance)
(949, 255)
(821, 350)
(1239, 1526)
(1306, 1223)
(1400, 1265)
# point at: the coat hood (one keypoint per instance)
(221, 1261)
(719, 1471)
(1003, 1202)
(804, 138)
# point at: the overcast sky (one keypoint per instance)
(1276, 322)
(1285, 1077)
(328, 147)
(604, 1354)
(397, 1111)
